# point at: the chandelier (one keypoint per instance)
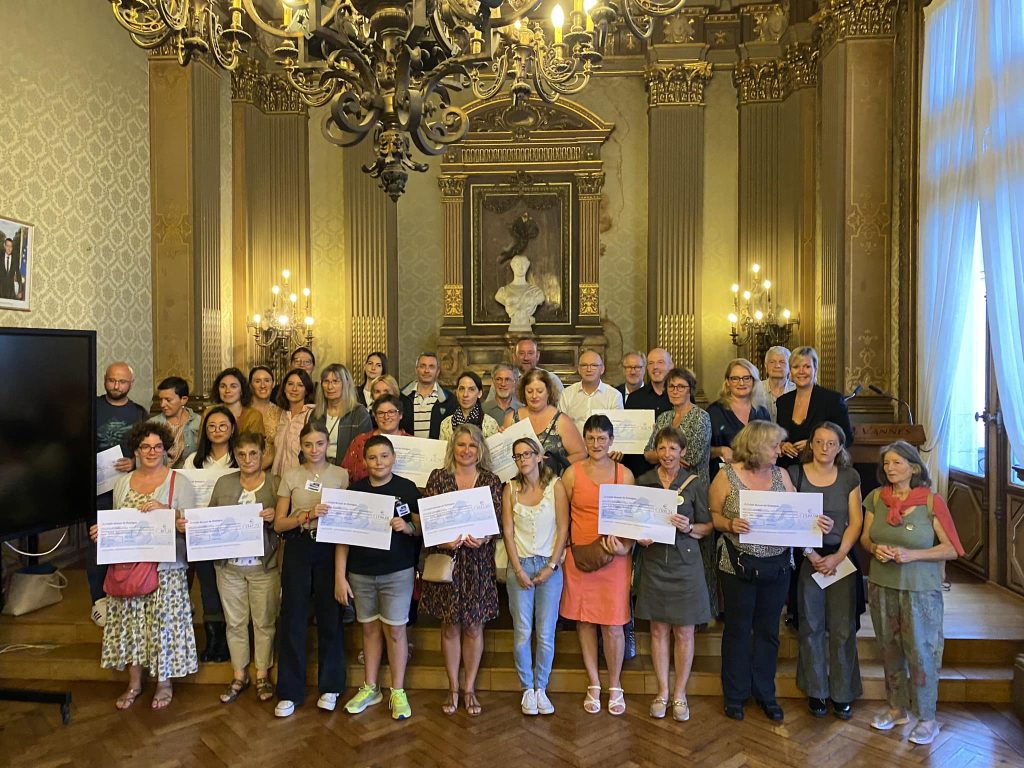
(638, 15)
(282, 326)
(753, 319)
(384, 67)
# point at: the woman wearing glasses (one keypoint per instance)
(338, 407)
(535, 524)
(153, 631)
(808, 405)
(216, 449)
(387, 413)
(828, 667)
(740, 401)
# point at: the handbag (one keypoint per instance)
(756, 569)
(33, 588)
(134, 579)
(438, 568)
(591, 557)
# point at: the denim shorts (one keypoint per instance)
(385, 598)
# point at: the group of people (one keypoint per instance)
(785, 433)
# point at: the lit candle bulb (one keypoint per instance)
(746, 295)
(285, 274)
(283, 320)
(786, 314)
(735, 288)
(256, 319)
(587, 6)
(305, 292)
(275, 290)
(309, 320)
(766, 284)
(732, 318)
(759, 315)
(755, 268)
(557, 21)
(293, 298)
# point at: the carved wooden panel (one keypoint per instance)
(1015, 539)
(967, 505)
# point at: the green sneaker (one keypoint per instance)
(366, 696)
(399, 704)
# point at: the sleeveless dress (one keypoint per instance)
(601, 597)
(731, 509)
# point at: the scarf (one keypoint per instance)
(476, 416)
(916, 498)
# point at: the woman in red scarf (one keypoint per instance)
(909, 533)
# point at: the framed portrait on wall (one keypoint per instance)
(16, 262)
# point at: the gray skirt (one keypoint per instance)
(671, 588)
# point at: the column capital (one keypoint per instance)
(839, 20)
(801, 66)
(680, 83)
(760, 80)
(268, 92)
(589, 185)
(452, 186)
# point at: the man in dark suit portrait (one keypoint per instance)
(12, 282)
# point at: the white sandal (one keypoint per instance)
(616, 702)
(592, 704)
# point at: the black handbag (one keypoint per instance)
(761, 570)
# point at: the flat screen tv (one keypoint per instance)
(47, 437)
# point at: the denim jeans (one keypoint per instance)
(534, 609)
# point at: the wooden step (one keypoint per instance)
(978, 682)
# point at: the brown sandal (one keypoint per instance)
(451, 706)
(162, 697)
(473, 708)
(234, 690)
(264, 689)
(126, 699)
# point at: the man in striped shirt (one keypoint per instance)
(421, 395)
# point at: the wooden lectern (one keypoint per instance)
(868, 440)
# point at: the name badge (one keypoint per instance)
(314, 486)
(402, 509)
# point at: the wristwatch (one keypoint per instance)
(809, 551)
(553, 566)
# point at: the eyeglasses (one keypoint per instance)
(596, 439)
(825, 444)
(740, 379)
(120, 382)
(517, 457)
(218, 427)
(633, 367)
(144, 448)
(679, 385)
(590, 365)
(247, 455)
(386, 414)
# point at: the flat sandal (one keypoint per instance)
(234, 690)
(264, 689)
(659, 707)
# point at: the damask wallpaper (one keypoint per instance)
(74, 161)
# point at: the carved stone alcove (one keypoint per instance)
(538, 164)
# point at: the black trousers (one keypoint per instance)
(308, 574)
(212, 609)
(750, 638)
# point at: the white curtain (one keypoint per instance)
(947, 214)
(999, 123)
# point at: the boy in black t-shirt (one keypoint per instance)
(381, 581)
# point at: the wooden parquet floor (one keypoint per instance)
(199, 731)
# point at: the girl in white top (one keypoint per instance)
(535, 525)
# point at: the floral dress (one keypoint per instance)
(472, 596)
(155, 630)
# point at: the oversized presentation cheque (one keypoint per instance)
(781, 519)
(417, 457)
(130, 536)
(460, 513)
(222, 533)
(356, 518)
(636, 512)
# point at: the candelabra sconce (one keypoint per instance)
(282, 327)
(755, 326)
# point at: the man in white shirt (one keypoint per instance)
(420, 397)
(634, 364)
(589, 394)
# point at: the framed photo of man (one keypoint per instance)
(16, 262)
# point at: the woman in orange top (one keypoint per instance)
(599, 598)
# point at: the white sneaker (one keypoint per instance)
(529, 702)
(544, 705)
(284, 708)
(328, 701)
(99, 612)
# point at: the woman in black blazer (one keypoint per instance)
(808, 405)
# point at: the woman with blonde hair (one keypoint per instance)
(338, 407)
(808, 405)
(558, 435)
(535, 524)
(740, 401)
(754, 577)
(384, 385)
(470, 600)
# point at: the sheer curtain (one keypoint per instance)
(999, 121)
(947, 213)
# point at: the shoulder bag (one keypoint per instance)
(134, 579)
